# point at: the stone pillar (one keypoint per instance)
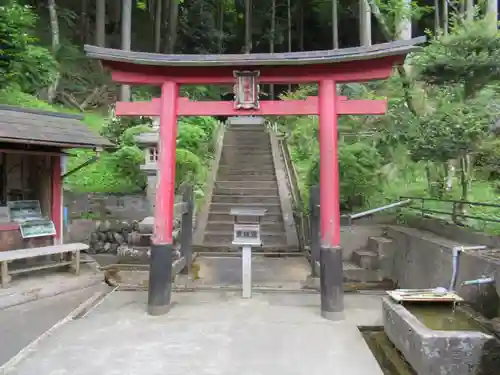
(151, 190)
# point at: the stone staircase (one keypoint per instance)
(370, 263)
(246, 178)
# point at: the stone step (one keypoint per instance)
(247, 127)
(216, 216)
(379, 245)
(238, 199)
(239, 155)
(366, 259)
(241, 137)
(247, 140)
(245, 165)
(246, 184)
(263, 169)
(354, 273)
(248, 162)
(234, 176)
(234, 170)
(247, 144)
(227, 226)
(243, 150)
(225, 238)
(246, 191)
(226, 207)
(247, 177)
(218, 248)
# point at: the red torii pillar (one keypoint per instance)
(327, 105)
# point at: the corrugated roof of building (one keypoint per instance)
(30, 126)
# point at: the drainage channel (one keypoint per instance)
(391, 361)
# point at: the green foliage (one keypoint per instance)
(104, 176)
(454, 129)
(359, 173)
(188, 167)
(468, 56)
(193, 138)
(22, 62)
(116, 126)
(128, 136)
(12, 95)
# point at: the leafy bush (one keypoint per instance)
(188, 167)
(192, 138)
(359, 166)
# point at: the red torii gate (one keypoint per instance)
(245, 72)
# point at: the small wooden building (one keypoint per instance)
(33, 146)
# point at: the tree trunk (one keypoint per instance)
(84, 22)
(365, 23)
(301, 25)
(469, 9)
(437, 18)
(335, 24)
(449, 175)
(158, 20)
(114, 18)
(172, 25)
(126, 28)
(389, 34)
(465, 180)
(404, 25)
(272, 39)
(54, 27)
(221, 27)
(492, 13)
(289, 27)
(248, 26)
(100, 23)
(445, 17)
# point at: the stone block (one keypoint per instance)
(366, 259)
(433, 352)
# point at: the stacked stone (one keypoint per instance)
(121, 237)
(109, 235)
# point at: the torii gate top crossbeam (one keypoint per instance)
(399, 47)
(343, 65)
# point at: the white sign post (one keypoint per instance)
(247, 235)
(246, 265)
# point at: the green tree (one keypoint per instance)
(22, 61)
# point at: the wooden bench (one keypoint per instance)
(11, 255)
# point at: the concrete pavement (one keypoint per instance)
(34, 286)
(211, 333)
(21, 324)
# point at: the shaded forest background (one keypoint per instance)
(436, 139)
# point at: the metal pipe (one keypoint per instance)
(455, 258)
(92, 160)
(378, 209)
(483, 280)
(454, 261)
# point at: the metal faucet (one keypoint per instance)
(481, 280)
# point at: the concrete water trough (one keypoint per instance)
(437, 339)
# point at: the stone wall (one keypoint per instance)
(463, 235)
(424, 260)
(99, 206)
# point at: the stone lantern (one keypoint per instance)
(148, 141)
